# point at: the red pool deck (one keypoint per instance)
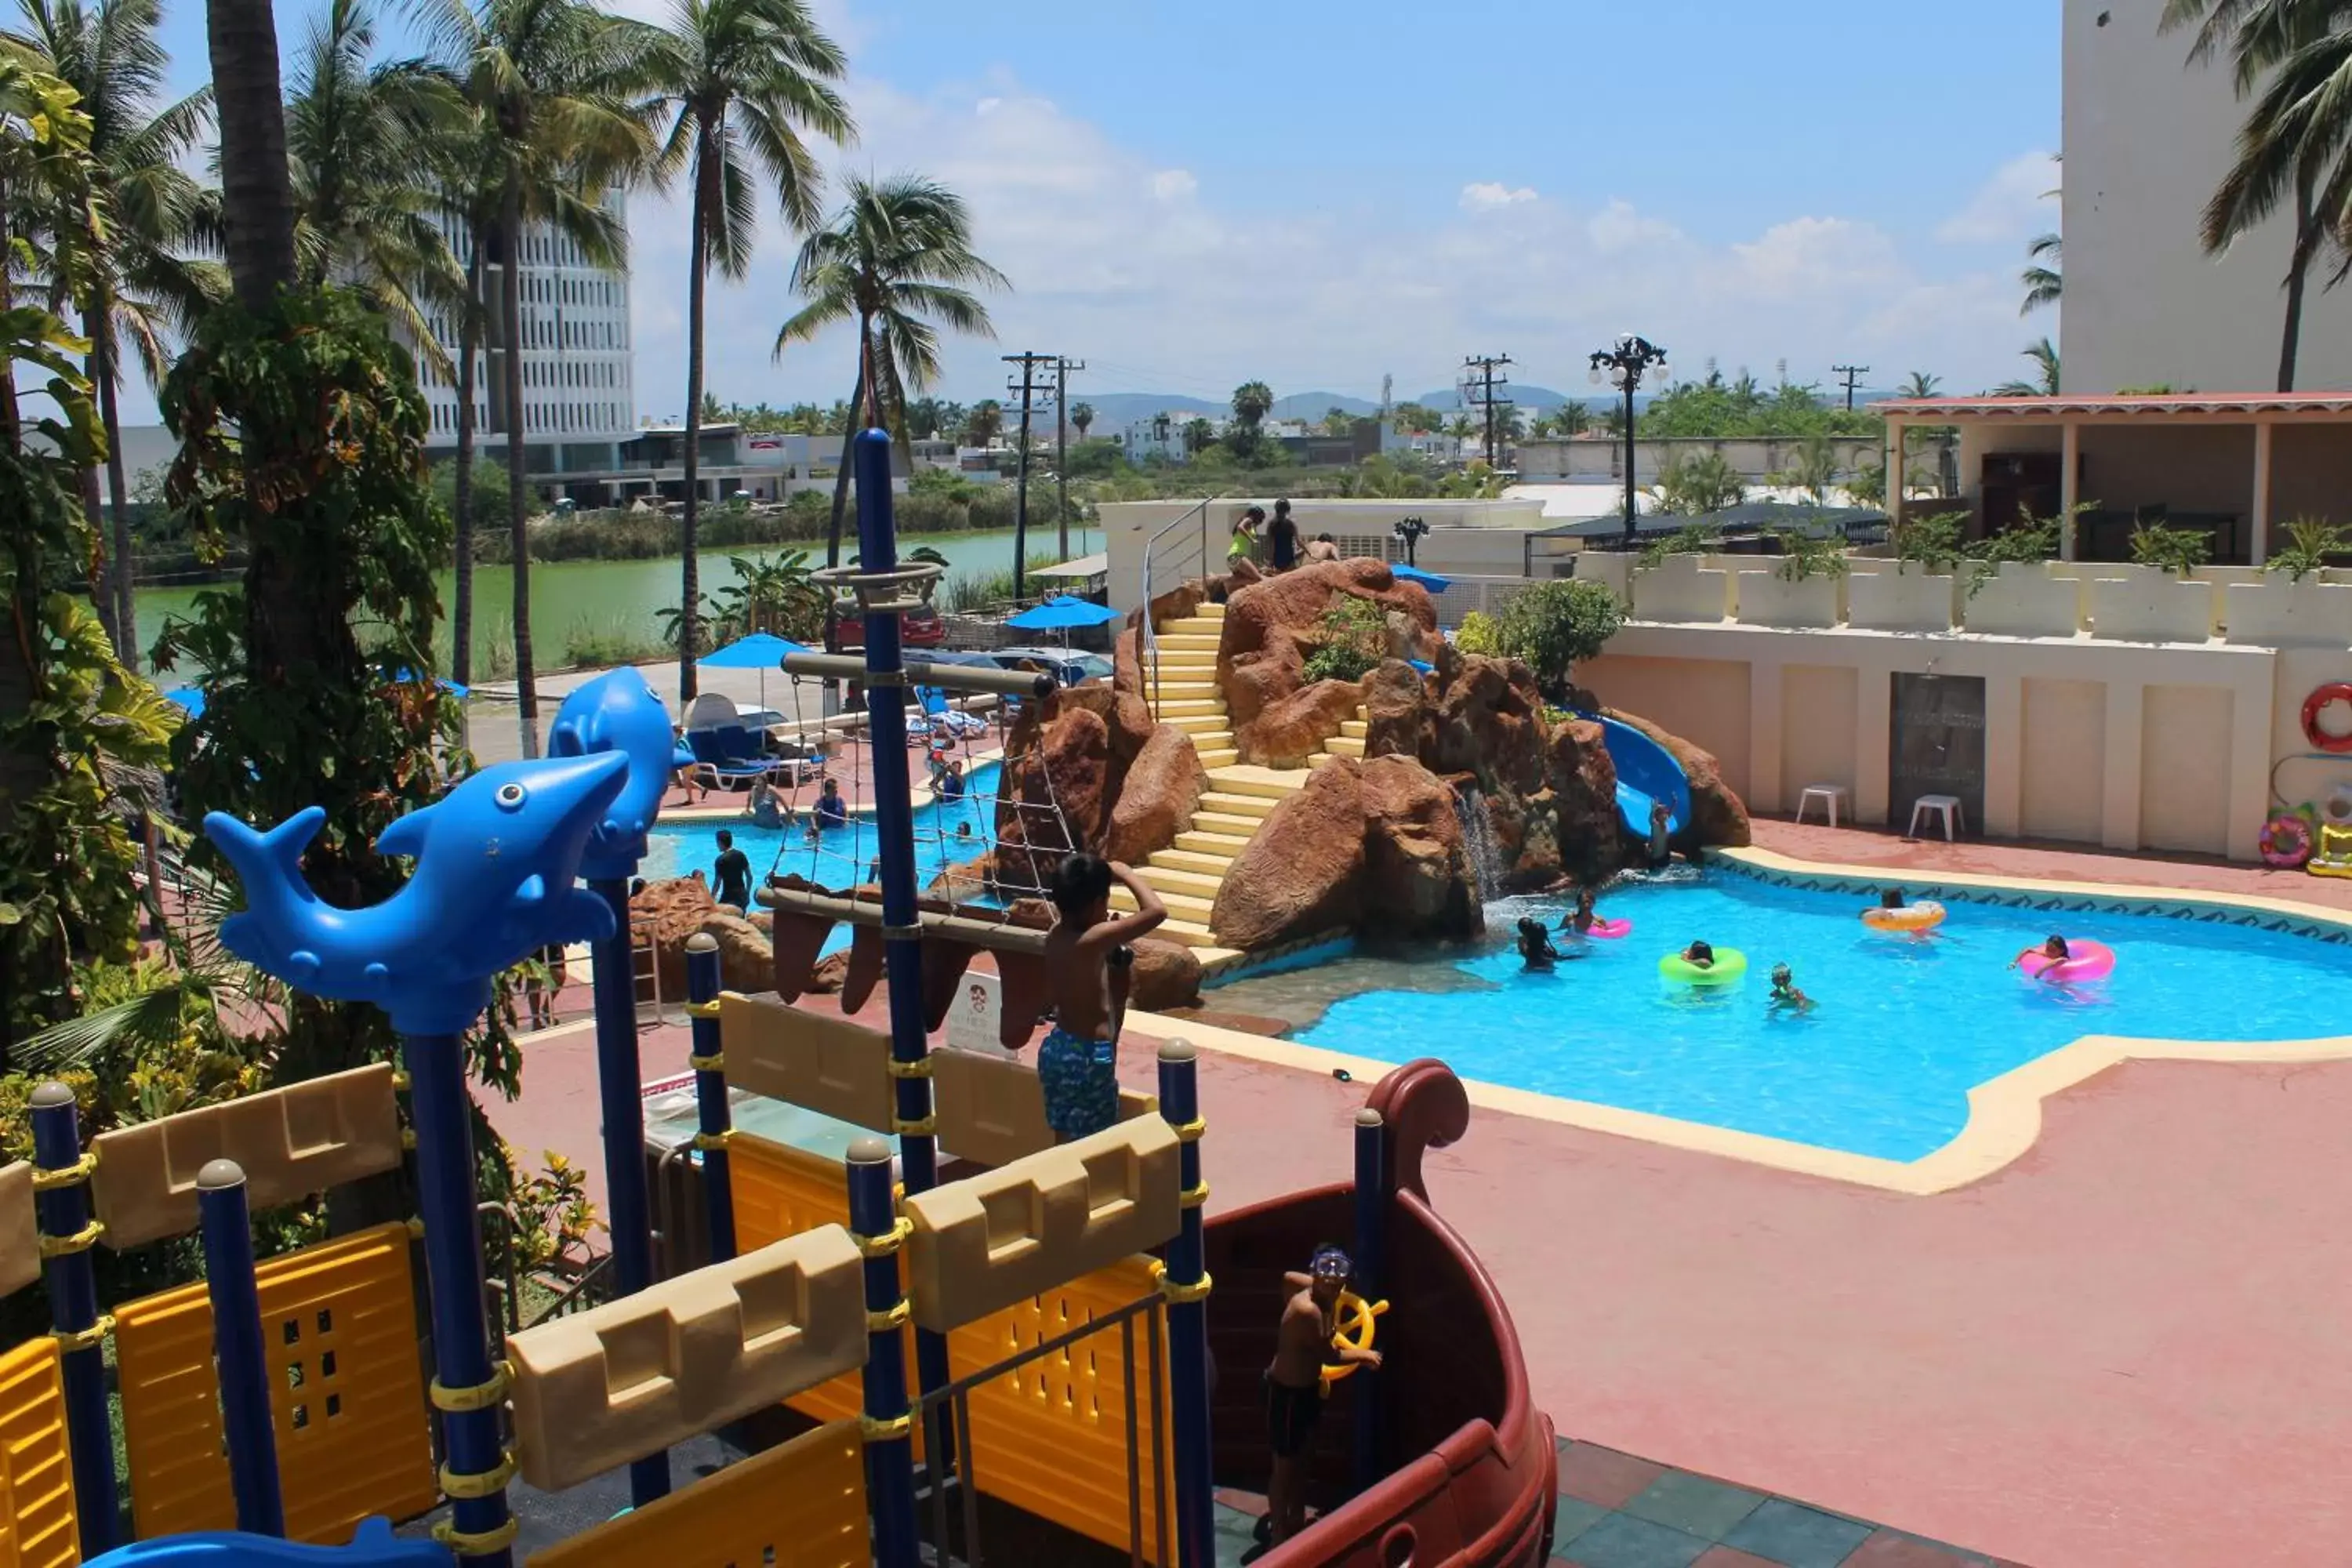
(2122, 1350)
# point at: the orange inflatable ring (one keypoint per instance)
(2320, 698)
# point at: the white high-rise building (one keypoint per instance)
(579, 396)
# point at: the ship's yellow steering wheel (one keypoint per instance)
(1355, 1323)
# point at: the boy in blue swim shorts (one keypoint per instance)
(1079, 1064)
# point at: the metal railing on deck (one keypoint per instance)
(1149, 641)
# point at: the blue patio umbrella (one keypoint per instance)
(762, 651)
(191, 697)
(1062, 614)
(1429, 580)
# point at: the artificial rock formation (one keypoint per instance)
(676, 908)
(1293, 728)
(746, 954)
(1157, 799)
(1270, 627)
(1302, 872)
(1054, 795)
(1418, 880)
(1396, 711)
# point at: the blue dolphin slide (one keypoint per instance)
(1647, 771)
(372, 1547)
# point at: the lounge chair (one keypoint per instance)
(723, 767)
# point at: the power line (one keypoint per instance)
(1479, 392)
(1026, 386)
(1853, 373)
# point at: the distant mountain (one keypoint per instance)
(1115, 411)
(1540, 399)
(1312, 406)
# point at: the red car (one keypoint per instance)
(920, 628)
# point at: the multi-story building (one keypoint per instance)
(579, 394)
(2148, 137)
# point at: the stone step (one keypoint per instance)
(1183, 707)
(1223, 757)
(1254, 806)
(1194, 626)
(1355, 729)
(1209, 841)
(1189, 642)
(1272, 783)
(1172, 659)
(1181, 906)
(1191, 933)
(1345, 746)
(1208, 863)
(1211, 608)
(1226, 824)
(1187, 689)
(1212, 723)
(1188, 884)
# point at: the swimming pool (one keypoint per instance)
(1883, 1066)
(844, 855)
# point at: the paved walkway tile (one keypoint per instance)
(1801, 1537)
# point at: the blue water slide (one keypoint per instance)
(1647, 771)
(372, 1547)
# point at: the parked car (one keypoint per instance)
(1068, 668)
(922, 627)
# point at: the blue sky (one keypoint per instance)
(1192, 195)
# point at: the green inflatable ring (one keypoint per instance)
(1730, 964)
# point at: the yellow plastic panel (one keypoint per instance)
(290, 1143)
(782, 1191)
(347, 1392)
(606, 1387)
(20, 1245)
(1051, 1438)
(821, 1060)
(995, 1239)
(37, 1527)
(802, 1505)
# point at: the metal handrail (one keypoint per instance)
(1149, 641)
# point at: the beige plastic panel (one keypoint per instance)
(989, 1240)
(821, 1060)
(690, 1354)
(291, 1142)
(991, 1111)
(20, 1244)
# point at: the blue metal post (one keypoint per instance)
(68, 1232)
(890, 1443)
(237, 1354)
(481, 1529)
(1186, 1285)
(620, 1093)
(716, 1117)
(1371, 1276)
(894, 825)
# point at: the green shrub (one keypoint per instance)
(1354, 638)
(1935, 543)
(1690, 539)
(614, 639)
(1479, 634)
(1553, 626)
(2310, 542)
(2168, 549)
(1807, 555)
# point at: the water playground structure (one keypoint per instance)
(992, 1345)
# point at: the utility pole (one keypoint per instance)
(1062, 369)
(1027, 388)
(1482, 391)
(1853, 373)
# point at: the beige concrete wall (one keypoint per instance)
(2184, 775)
(1817, 732)
(2062, 758)
(1706, 701)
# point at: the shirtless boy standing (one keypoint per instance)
(1294, 1380)
(1079, 1064)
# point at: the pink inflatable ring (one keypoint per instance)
(2085, 960)
(1609, 931)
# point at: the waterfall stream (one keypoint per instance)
(1478, 844)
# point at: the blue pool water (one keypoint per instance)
(1884, 1065)
(843, 853)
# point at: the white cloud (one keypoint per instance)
(1485, 196)
(2009, 206)
(1174, 184)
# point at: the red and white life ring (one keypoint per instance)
(2321, 698)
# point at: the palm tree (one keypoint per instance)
(549, 83)
(2043, 284)
(1573, 418)
(897, 252)
(745, 78)
(1082, 415)
(257, 190)
(2296, 143)
(1199, 436)
(2044, 355)
(132, 284)
(982, 425)
(1920, 384)
(1252, 401)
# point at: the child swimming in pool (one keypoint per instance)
(1892, 899)
(2053, 950)
(1580, 919)
(1785, 993)
(1536, 949)
(1699, 955)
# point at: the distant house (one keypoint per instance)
(1161, 436)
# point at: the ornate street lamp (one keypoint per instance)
(1409, 532)
(1622, 367)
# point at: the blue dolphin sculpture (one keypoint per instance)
(619, 712)
(495, 863)
(372, 1547)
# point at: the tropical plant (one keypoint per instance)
(2029, 539)
(984, 423)
(1693, 483)
(1554, 624)
(2312, 544)
(1867, 485)
(1252, 401)
(775, 595)
(121, 256)
(2043, 284)
(1934, 542)
(1920, 384)
(2044, 355)
(693, 636)
(1690, 539)
(1352, 637)
(745, 78)
(895, 257)
(555, 128)
(1805, 555)
(1479, 634)
(1199, 436)
(2169, 549)
(1082, 415)
(1337, 421)
(1460, 429)
(1813, 470)
(2293, 59)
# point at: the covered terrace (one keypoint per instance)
(2239, 466)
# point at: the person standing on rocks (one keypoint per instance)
(1285, 535)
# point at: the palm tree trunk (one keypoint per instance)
(689, 615)
(2306, 246)
(510, 303)
(257, 193)
(470, 343)
(841, 488)
(103, 598)
(118, 492)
